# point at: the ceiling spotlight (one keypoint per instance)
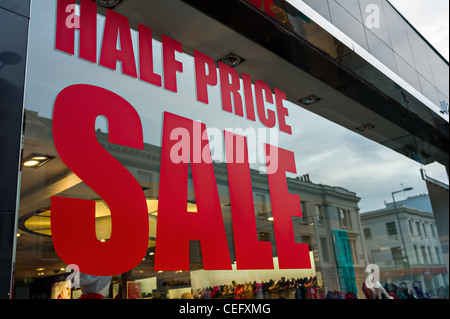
(232, 60)
(309, 100)
(365, 127)
(36, 160)
(30, 163)
(108, 3)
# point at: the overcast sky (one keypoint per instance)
(430, 18)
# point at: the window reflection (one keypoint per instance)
(347, 23)
(391, 41)
(342, 186)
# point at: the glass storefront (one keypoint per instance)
(301, 208)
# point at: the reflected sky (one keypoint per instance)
(435, 30)
(330, 154)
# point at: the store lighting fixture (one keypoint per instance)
(35, 160)
(270, 219)
(309, 100)
(108, 3)
(365, 127)
(232, 60)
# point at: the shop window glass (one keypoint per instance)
(321, 7)
(381, 28)
(440, 70)
(407, 72)
(347, 23)
(429, 90)
(341, 242)
(398, 34)
(352, 6)
(421, 60)
(380, 50)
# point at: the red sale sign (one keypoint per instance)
(75, 111)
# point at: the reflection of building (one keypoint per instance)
(326, 212)
(423, 248)
(420, 202)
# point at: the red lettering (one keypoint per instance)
(202, 78)
(65, 28)
(291, 255)
(177, 227)
(282, 112)
(117, 25)
(250, 253)
(73, 220)
(268, 119)
(229, 86)
(267, 6)
(248, 93)
(146, 57)
(171, 66)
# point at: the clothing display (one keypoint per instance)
(400, 291)
(300, 288)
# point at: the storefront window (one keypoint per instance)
(336, 181)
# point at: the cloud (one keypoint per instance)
(431, 20)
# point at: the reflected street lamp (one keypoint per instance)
(401, 232)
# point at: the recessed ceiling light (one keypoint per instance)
(232, 60)
(365, 127)
(308, 100)
(35, 160)
(30, 163)
(108, 3)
